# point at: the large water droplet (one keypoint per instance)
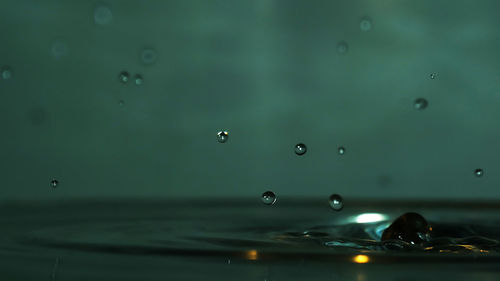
(138, 79)
(365, 24)
(300, 149)
(124, 77)
(342, 47)
(59, 48)
(222, 136)
(410, 227)
(341, 150)
(102, 14)
(336, 202)
(6, 72)
(268, 198)
(420, 104)
(54, 183)
(148, 56)
(479, 172)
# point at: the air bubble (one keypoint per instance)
(268, 198)
(6, 72)
(148, 56)
(420, 104)
(300, 149)
(102, 14)
(222, 136)
(341, 150)
(124, 77)
(342, 47)
(479, 172)
(336, 202)
(365, 24)
(54, 183)
(138, 80)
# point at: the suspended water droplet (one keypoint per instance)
(54, 183)
(342, 47)
(102, 14)
(222, 136)
(268, 198)
(6, 72)
(479, 172)
(336, 202)
(365, 24)
(420, 104)
(433, 75)
(124, 77)
(59, 48)
(148, 56)
(300, 149)
(341, 150)
(138, 79)
(121, 103)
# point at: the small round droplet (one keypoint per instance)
(342, 47)
(365, 24)
(433, 75)
(268, 198)
(138, 80)
(121, 103)
(341, 150)
(59, 48)
(148, 56)
(6, 72)
(479, 172)
(222, 136)
(420, 104)
(300, 149)
(102, 14)
(124, 77)
(336, 202)
(54, 183)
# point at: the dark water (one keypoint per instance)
(238, 239)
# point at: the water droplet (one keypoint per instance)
(59, 48)
(229, 261)
(300, 149)
(410, 227)
(102, 14)
(341, 150)
(420, 104)
(479, 172)
(6, 72)
(342, 47)
(365, 24)
(124, 77)
(121, 103)
(54, 183)
(268, 198)
(433, 75)
(138, 79)
(148, 56)
(222, 136)
(336, 202)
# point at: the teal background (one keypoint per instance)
(269, 73)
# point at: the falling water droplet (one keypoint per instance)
(433, 75)
(138, 79)
(300, 149)
(268, 198)
(479, 172)
(124, 77)
(6, 72)
(420, 104)
(148, 56)
(342, 47)
(102, 14)
(365, 24)
(341, 150)
(54, 183)
(222, 136)
(336, 202)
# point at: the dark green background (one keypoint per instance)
(269, 73)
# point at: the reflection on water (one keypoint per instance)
(125, 238)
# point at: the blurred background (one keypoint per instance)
(125, 99)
